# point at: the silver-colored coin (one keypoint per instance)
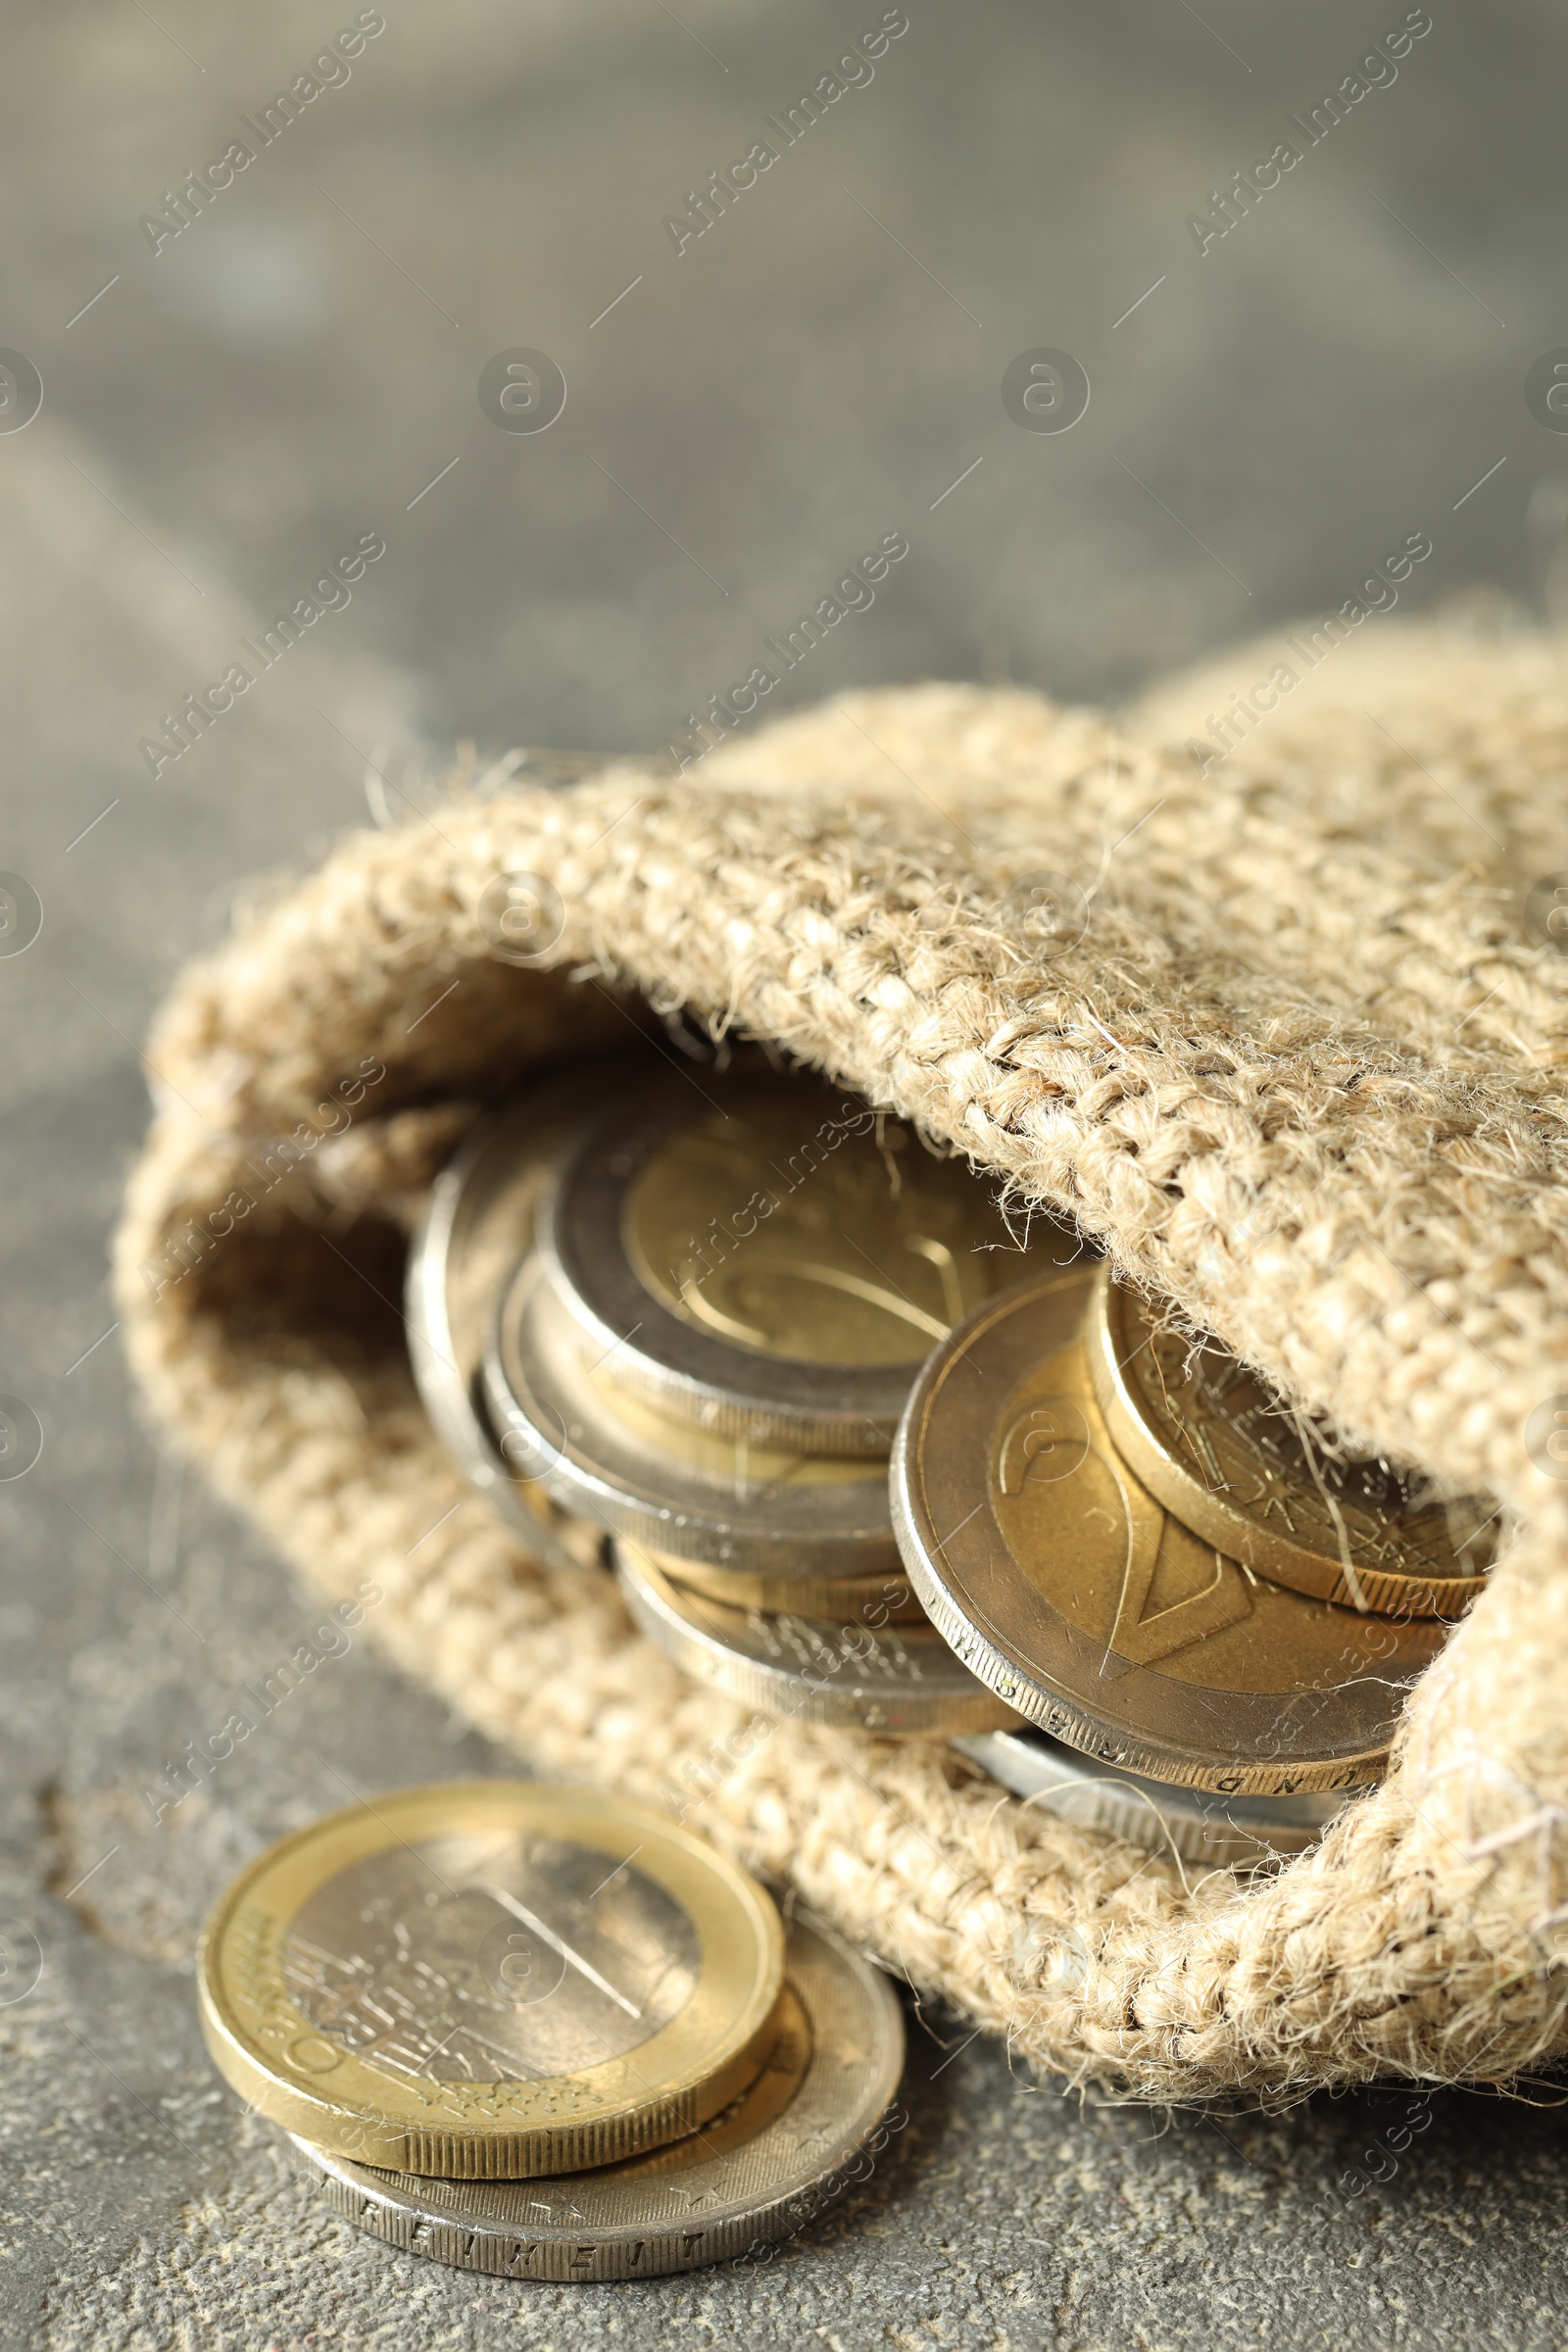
(607, 1455)
(1199, 1825)
(806, 2130)
(770, 1258)
(480, 1222)
(874, 1675)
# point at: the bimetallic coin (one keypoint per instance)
(865, 1672)
(610, 1458)
(491, 1980)
(851, 1600)
(784, 2152)
(1083, 1603)
(1198, 1825)
(1213, 1443)
(771, 1259)
(478, 1224)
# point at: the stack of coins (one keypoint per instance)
(697, 1308)
(717, 1291)
(540, 2033)
(1138, 1546)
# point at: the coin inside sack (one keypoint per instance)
(1219, 1447)
(490, 1980)
(1196, 1824)
(772, 1259)
(867, 1672)
(1080, 1600)
(862, 1600)
(763, 2169)
(480, 1222)
(613, 1458)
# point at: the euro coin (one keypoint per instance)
(866, 1672)
(1215, 1446)
(850, 1598)
(1196, 1825)
(1075, 1596)
(611, 1458)
(813, 2121)
(770, 1258)
(480, 1222)
(491, 1980)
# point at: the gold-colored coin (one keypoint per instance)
(863, 1258)
(491, 1980)
(765, 2168)
(1213, 1443)
(864, 1670)
(771, 1259)
(1075, 1596)
(853, 1600)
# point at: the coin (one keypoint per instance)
(490, 1980)
(1198, 1825)
(1076, 1598)
(847, 1597)
(611, 1458)
(780, 2156)
(865, 1672)
(480, 1222)
(1215, 1445)
(772, 1259)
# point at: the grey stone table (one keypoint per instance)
(226, 408)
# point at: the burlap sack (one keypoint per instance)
(1302, 1075)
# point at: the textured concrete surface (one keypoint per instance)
(816, 371)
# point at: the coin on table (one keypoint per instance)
(860, 1599)
(1077, 1598)
(1198, 1825)
(610, 1456)
(771, 1259)
(478, 1224)
(863, 1672)
(778, 2157)
(490, 1980)
(1217, 1447)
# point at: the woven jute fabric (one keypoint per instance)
(1303, 1076)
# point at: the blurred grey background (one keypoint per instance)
(300, 364)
